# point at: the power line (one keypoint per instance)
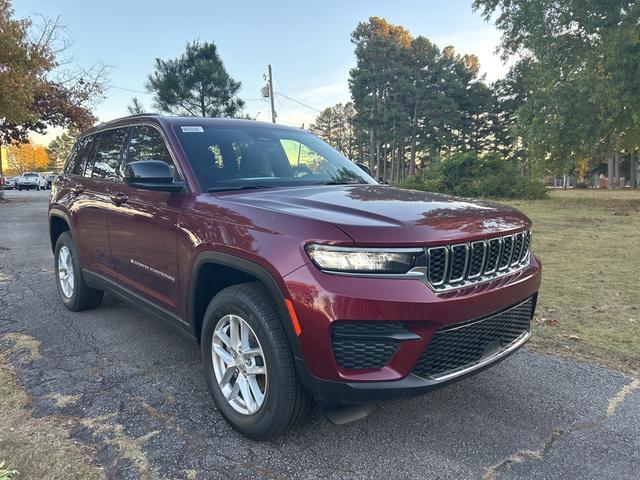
(298, 102)
(126, 89)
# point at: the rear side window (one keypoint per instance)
(146, 143)
(77, 159)
(107, 158)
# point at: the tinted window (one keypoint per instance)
(146, 144)
(107, 158)
(78, 157)
(263, 156)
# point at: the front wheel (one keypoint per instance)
(248, 364)
(74, 292)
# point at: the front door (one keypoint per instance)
(143, 227)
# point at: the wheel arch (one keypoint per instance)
(247, 271)
(59, 222)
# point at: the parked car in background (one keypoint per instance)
(49, 180)
(10, 183)
(299, 275)
(30, 181)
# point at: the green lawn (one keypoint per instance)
(589, 304)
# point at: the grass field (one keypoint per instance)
(589, 304)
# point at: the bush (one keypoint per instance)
(469, 175)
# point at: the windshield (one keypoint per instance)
(262, 157)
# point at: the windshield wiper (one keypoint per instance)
(236, 187)
(345, 182)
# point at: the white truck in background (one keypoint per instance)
(30, 180)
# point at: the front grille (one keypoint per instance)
(459, 265)
(366, 344)
(457, 347)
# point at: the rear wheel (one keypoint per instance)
(248, 364)
(74, 292)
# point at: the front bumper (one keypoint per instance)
(321, 300)
(329, 393)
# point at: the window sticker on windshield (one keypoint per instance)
(192, 129)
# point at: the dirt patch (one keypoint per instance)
(38, 447)
(112, 434)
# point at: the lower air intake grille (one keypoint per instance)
(366, 344)
(456, 347)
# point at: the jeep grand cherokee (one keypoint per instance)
(301, 278)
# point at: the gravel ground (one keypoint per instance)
(135, 392)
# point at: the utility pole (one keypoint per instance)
(273, 108)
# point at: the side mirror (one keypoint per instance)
(152, 175)
(365, 168)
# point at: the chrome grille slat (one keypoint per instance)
(477, 257)
(459, 262)
(459, 265)
(517, 249)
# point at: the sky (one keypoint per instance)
(307, 43)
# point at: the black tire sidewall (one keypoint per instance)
(66, 239)
(258, 424)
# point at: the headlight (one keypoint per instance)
(364, 260)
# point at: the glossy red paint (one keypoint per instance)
(151, 243)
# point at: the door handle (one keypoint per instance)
(118, 198)
(77, 189)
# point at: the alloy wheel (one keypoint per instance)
(65, 271)
(239, 364)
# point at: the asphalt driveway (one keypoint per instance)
(135, 391)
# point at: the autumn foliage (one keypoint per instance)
(27, 157)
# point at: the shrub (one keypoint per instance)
(469, 175)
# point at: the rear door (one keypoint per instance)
(143, 226)
(94, 200)
(89, 223)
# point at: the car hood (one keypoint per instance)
(382, 215)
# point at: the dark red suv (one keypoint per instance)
(300, 276)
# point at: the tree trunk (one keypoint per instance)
(412, 160)
(378, 159)
(632, 170)
(616, 171)
(610, 162)
(1, 174)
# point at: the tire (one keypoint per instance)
(80, 296)
(285, 403)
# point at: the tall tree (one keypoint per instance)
(37, 90)
(27, 157)
(583, 76)
(136, 107)
(195, 84)
(414, 100)
(335, 126)
(60, 148)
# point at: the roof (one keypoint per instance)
(195, 121)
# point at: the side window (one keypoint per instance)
(146, 144)
(107, 158)
(90, 155)
(77, 159)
